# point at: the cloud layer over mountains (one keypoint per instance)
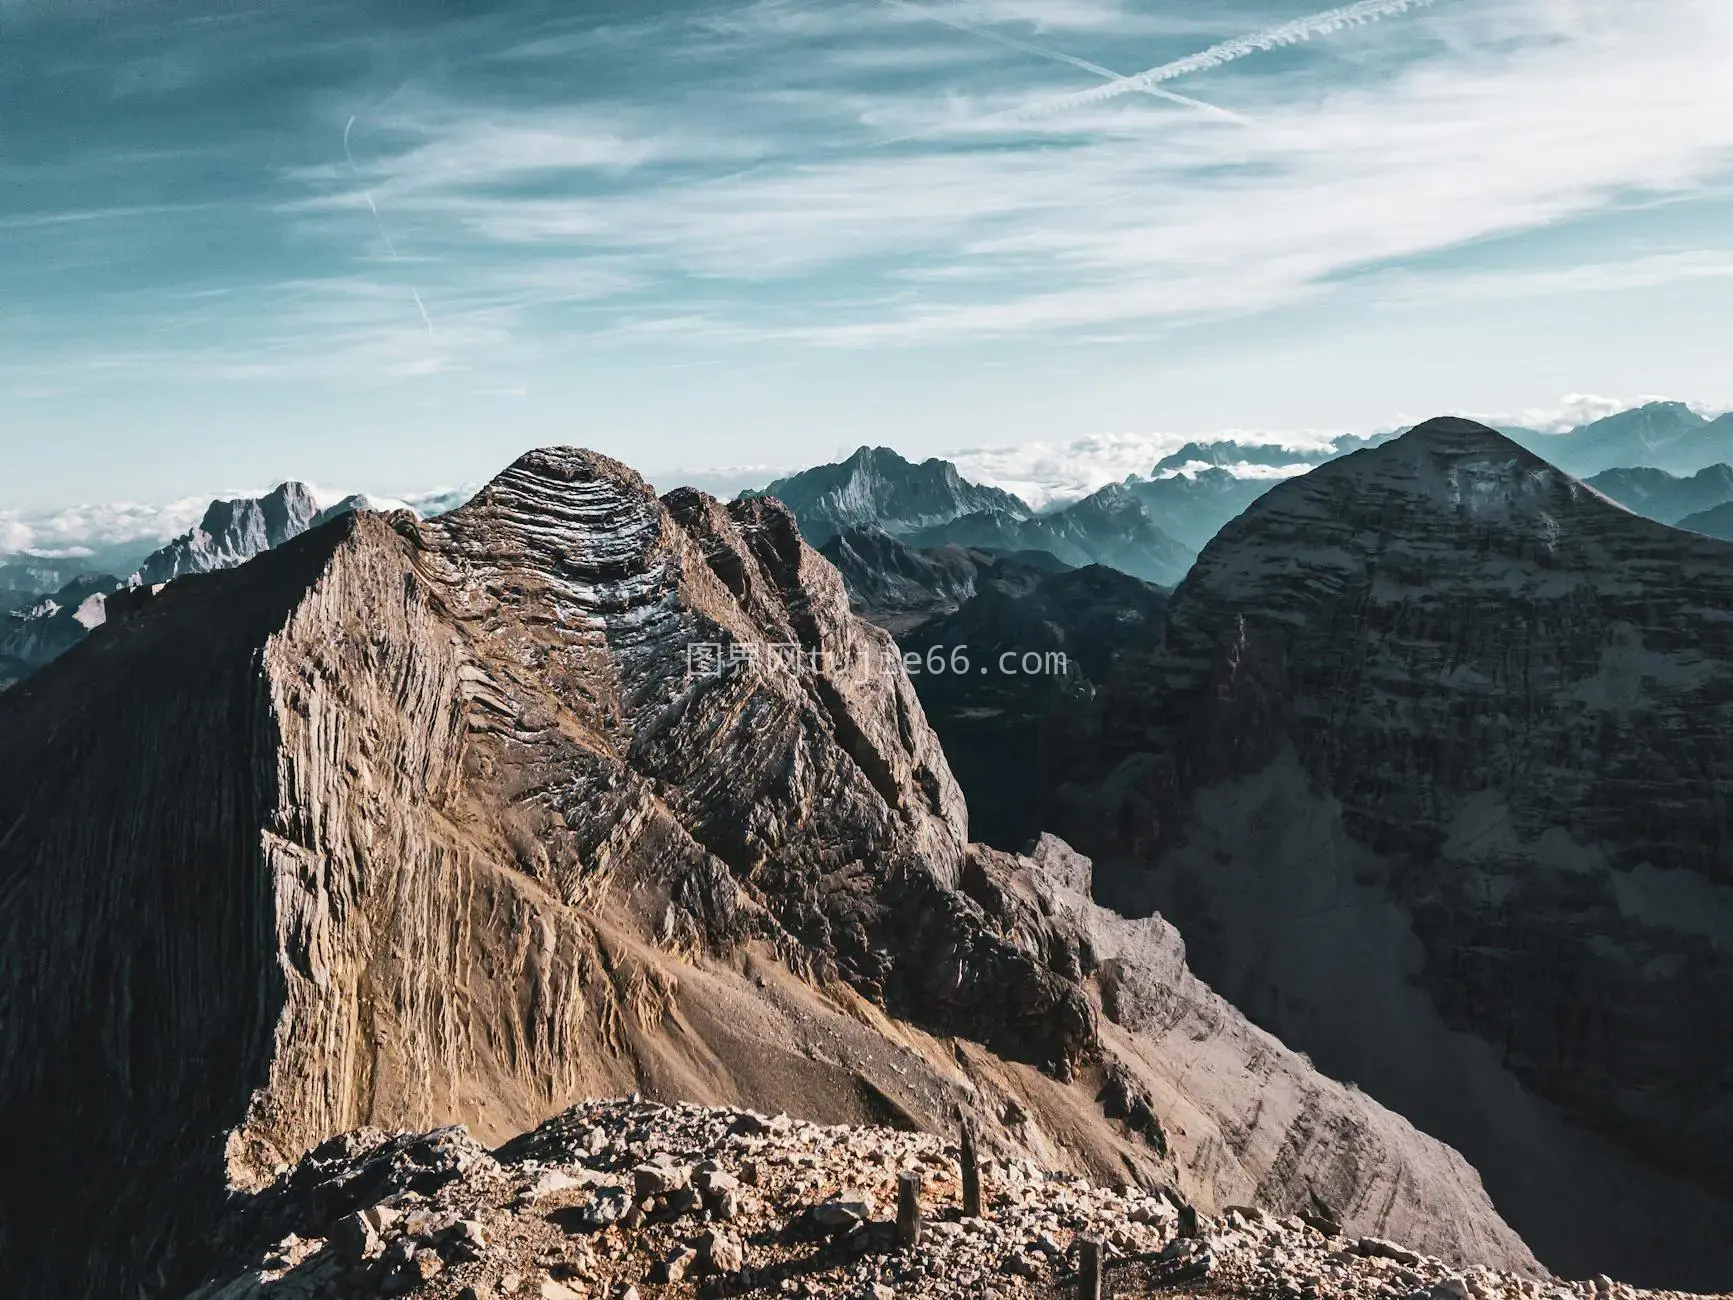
(1045, 474)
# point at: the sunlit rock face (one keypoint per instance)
(1434, 769)
(572, 792)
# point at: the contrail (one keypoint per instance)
(1270, 38)
(373, 208)
(1041, 51)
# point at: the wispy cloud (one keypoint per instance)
(1509, 116)
(719, 177)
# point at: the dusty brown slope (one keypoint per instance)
(407, 823)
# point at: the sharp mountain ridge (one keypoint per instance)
(572, 792)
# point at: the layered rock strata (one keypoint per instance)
(1431, 768)
(572, 791)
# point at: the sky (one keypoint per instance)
(389, 246)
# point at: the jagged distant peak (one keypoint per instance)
(1649, 412)
(232, 531)
(288, 500)
(877, 487)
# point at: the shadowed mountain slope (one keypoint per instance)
(1432, 769)
(570, 792)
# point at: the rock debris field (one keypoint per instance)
(629, 1198)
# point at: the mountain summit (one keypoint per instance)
(571, 792)
(877, 489)
(1431, 767)
(232, 532)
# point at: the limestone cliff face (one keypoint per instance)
(234, 531)
(573, 791)
(1432, 770)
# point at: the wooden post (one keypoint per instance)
(908, 1209)
(971, 1173)
(1089, 1268)
(1187, 1221)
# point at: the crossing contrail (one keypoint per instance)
(1059, 56)
(1270, 38)
(374, 209)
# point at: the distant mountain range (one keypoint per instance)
(39, 630)
(1662, 435)
(1662, 460)
(877, 489)
(1659, 435)
(930, 505)
(1666, 497)
(1109, 527)
(1222, 453)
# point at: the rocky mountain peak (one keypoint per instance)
(232, 532)
(571, 792)
(877, 488)
(1441, 706)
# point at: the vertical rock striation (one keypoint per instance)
(572, 791)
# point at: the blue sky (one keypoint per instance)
(389, 246)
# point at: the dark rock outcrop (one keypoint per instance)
(1432, 768)
(32, 635)
(1006, 682)
(571, 792)
(897, 587)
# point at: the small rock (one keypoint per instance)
(721, 1252)
(470, 1231)
(843, 1213)
(1451, 1288)
(658, 1180)
(425, 1225)
(1378, 1248)
(355, 1239)
(552, 1290)
(547, 1183)
(678, 1264)
(399, 1252)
